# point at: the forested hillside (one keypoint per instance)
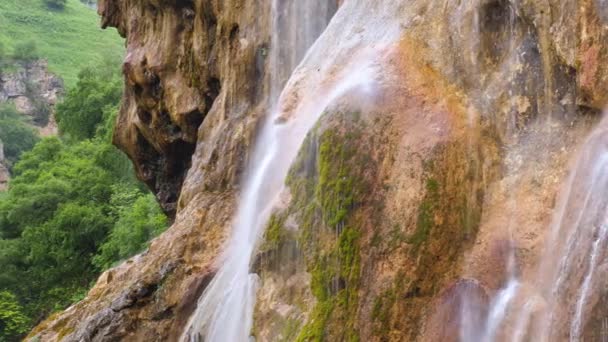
(73, 207)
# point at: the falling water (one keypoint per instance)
(296, 24)
(578, 241)
(225, 310)
(561, 295)
(498, 310)
(477, 324)
(563, 289)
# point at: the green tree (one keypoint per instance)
(90, 103)
(53, 219)
(73, 206)
(72, 209)
(3, 59)
(25, 51)
(13, 322)
(72, 175)
(60, 250)
(46, 151)
(15, 134)
(137, 224)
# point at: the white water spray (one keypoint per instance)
(596, 252)
(560, 305)
(225, 310)
(500, 305)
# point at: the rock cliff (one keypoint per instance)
(33, 90)
(396, 206)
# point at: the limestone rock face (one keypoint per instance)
(32, 88)
(189, 62)
(484, 102)
(34, 91)
(478, 108)
(195, 74)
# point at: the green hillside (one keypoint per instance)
(70, 38)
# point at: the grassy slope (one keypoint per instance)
(70, 39)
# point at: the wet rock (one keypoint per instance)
(459, 135)
(462, 306)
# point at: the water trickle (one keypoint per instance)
(561, 296)
(578, 241)
(498, 310)
(225, 310)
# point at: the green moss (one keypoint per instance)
(290, 330)
(274, 233)
(381, 312)
(314, 331)
(335, 187)
(426, 214)
(349, 253)
(327, 185)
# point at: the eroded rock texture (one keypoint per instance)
(187, 62)
(195, 88)
(480, 105)
(34, 91)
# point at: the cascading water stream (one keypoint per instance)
(557, 302)
(576, 248)
(476, 325)
(580, 234)
(225, 310)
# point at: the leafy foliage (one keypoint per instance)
(16, 136)
(73, 207)
(56, 4)
(91, 101)
(137, 223)
(12, 320)
(25, 51)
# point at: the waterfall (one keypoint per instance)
(578, 242)
(567, 279)
(555, 302)
(225, 309)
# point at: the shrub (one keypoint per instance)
(55, 4)
(15, 134)
(2, 52)
(26, 52)
(13, 323)
(137, 224)
(91, 103)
